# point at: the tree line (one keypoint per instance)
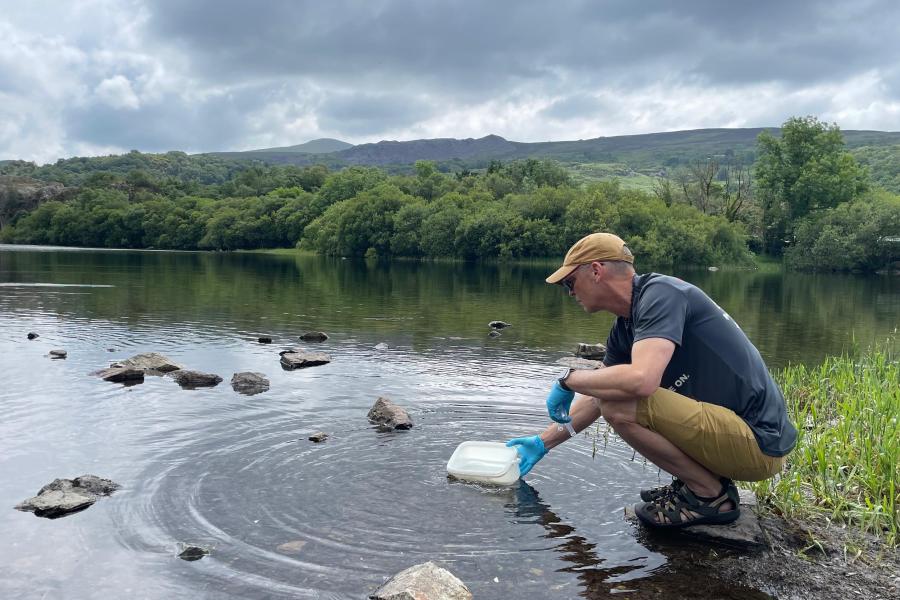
(805, 198)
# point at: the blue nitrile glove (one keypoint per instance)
(558, 403)
(530, 449)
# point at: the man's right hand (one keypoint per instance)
(530, 449)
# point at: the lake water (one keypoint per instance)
(288, 518)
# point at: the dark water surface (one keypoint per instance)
(288, 518)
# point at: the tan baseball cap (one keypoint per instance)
(590, 248)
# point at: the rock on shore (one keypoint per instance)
(389, 415)
(64, 496)
(426, 581)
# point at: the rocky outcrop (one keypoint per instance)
(388, 415)
(190, 380)
(426, 581)
(299, 359)
(20, 195)
(314, 336)
(64, 496)
(121, 375)
(149, 362)
(249, 383)
(591, 351)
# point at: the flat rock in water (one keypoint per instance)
(591, 351)
(150, 361)
(65, 496)
(381, 346)
(387, 414)
(426, 581)
(319, 436)
(745, 531)
(58, 354)
(249, 383)
(499, 325)
(314, 336)
(578, 363)
(121, 374)
(298, 359)
(295, 547)
(195, 379)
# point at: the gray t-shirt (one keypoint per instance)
(713, 362)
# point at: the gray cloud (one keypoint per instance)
(208, 75)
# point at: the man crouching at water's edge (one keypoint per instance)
(681, 383)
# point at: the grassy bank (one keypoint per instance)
(846, 465)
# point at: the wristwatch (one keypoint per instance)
(562, 380)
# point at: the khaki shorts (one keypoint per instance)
(712, 435)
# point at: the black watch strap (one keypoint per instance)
(562, 380)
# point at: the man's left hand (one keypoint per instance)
(558, 403)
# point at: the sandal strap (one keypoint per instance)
(673, 506)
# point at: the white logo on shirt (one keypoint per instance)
(679, 382)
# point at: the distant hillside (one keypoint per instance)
(319, 146)
(645, 151)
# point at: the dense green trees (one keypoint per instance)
(806, 190)
(806, 170)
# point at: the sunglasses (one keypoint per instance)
(569, 282)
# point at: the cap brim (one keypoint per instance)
(561, 273)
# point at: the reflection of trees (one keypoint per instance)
(790, 317)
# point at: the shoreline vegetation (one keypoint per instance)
(845, 469)
(805, 200)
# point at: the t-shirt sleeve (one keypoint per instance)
(660, 313)
(617, 350)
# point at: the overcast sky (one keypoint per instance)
(88, 77)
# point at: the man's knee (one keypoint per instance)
(619, 412)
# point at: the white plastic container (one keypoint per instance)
(485, 462)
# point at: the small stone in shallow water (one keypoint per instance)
(193, 552)
(426, 580)
(58, 354)
(314, 336)
(498, 325)
(194, 379)
(319, 436)
(298, 359)
(381, 346)
(495, 333)
(390, 416)
(32, 335)
(61, 497)
(264, 339)
(294, 547)
(249, 383)
(126, 375)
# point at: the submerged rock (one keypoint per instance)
(298, 359)
(193, 552)
(591, 351)
(32, 335)
(150, 361)
(499, 325)
(294, 547)
(121, 375)
(381, 346)
(494, 333)
(426, 581)
(314, 336)
(319, 436)
(58, 354)
(249, 383)
(195, 379)
(389, 415)
(61, 497)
